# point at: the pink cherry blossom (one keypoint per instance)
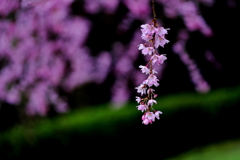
(146, 121)
(154, 71)
(36, 60)
(155, 37)
(138, 99)
(142, 107)
(148, 29)
(146, 37)
(157, 114)
(141, 46)
(155, 95)
(141, 89)
(159, 59)
(160, 41)
(152, 80)
(148, 50)
(150, 116)
(144, 69)
(151, 101)
(161, 31)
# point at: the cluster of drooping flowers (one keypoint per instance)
(154, 37)
(41, 55)
(188, 11)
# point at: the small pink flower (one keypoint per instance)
(161, 59)
(155, 95)
(162, 31)
(148, 29)
(145, 82)
(152, 80)
(160, 41)
(138, 99)
(144, 69)
(141, 46)
(154, 58)
(150, 116)
(158, 59)
(154, 71)
(142, 107)
(141, 89)
(146, 37)
(147, 50)
(145, 121)
(151, 101)
(157, 114)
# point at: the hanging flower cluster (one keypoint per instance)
(154, 37)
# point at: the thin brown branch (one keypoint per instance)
(153, 9)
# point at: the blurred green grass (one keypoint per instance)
(191, 119)
(229, 150)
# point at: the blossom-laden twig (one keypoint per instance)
(154, 35)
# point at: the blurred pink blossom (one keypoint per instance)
(44, 49)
